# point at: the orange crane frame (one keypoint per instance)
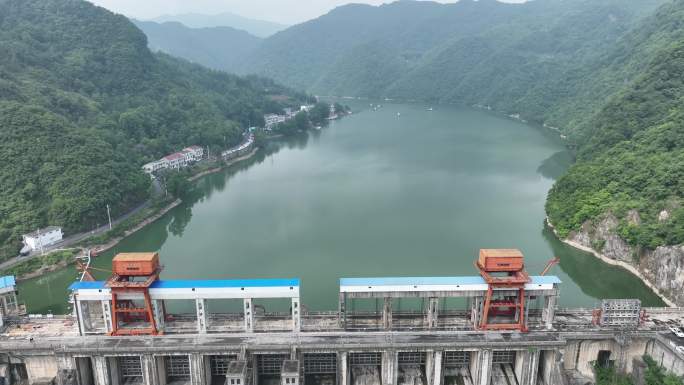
(123, 281)
(515, 277)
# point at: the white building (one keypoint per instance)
(272, 120)
(43, 237)
(193, 153)
(240, 150)
(176, 160)
(155, 166)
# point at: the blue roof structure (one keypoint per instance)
(87, 285)
(7, 281)
(400, 281)
(545, 279)
(190, 284)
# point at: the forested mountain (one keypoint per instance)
(633, 157)
(518, 58)
(532, 59)
(84, 103)
(607, 73)
(260, 28)
(220, 48)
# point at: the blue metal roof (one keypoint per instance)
(216, 283)
(399, 281)
(7, 281)
(189, 284)
(402, 281)
(87, 285)
(545, 279)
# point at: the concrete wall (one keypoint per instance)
(549, 368)
(41, 368)
(666, 357)
(533, 365)
(526, 366)
(581, 355)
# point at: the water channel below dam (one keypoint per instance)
(401, 191)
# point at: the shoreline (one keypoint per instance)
(630, 268)
(226, 164)
(101, 248)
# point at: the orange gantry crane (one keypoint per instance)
(132, 276)
(503, 269)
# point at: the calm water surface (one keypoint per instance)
(374, 194)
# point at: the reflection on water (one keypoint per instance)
(373, 195)
(554, 166)
(596, 278)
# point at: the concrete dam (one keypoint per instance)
(501, 327)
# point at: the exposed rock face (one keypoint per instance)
(663, 267)
(633, 217)
(614, 247)
(583, 237)
(603, 238)
(663, 216)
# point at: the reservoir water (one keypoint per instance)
(374, 194)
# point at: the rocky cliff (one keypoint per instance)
(662, 269)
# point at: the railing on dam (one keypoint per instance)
(565, 320)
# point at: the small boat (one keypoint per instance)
(430, 109)
(398, 114)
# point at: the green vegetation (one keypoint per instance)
(221, 48)
(46, 261)
(609, 376)
(633, 160)
(607, 73)
(303, 121)
(532, 58)
(655, 375)
(261, 28)
(84, 103)
(119, 230)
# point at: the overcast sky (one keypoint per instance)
(282, 11)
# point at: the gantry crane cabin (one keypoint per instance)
(132, 276)
(504, 272)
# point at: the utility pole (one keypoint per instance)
(109, 216)
(40, 239)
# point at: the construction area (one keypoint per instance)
(499, 327)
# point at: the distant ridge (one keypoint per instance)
(260, 28)
(221, 48)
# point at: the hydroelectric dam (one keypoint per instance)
(499, 327)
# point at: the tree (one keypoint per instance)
(177, 184)
(84, 104)
(319, 114)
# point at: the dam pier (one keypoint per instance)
(447, 330)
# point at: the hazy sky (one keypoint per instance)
(282, 11)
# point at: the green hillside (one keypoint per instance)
(220, 48)
(606, 73)
(260, 28)
(527, 58)
(633, 159)
(84, 103)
